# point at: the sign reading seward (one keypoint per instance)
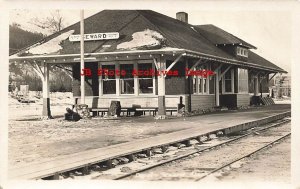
(95, 36)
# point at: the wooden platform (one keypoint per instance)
(65, 163)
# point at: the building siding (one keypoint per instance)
(200, 102)
(243, 100)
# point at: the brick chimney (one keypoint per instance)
(182, 16)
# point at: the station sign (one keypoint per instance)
(95, 36)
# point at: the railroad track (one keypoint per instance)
(243, 157)
(195, 151)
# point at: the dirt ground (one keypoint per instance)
(32, 139)
(272, 164)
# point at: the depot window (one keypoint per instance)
(228, 82)
(145, 80)
(127, 80)
(109, 80)
(242, 51)
(242, 80)
(201, 83)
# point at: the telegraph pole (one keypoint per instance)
(82, 78)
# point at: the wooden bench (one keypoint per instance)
(96, 111)
(148, 109)
(129, 110)
(171, 109)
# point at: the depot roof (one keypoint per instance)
(144, 31)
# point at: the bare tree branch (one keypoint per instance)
(53, 23)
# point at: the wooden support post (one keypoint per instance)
(153, 80)
(217, 88)
(256, 86)
(161, 89)
(117, 67)
(188, 104)
(46, 94)
(232, 80)
(100, 81)
(136, 81)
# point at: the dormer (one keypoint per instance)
(225, 41)
(241, 52)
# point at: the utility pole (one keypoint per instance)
(82, 78)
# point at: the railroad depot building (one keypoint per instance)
(145, 40)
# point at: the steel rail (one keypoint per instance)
(239, 159)
(194, 152)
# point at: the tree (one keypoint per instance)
(19, 38)
(54, 23)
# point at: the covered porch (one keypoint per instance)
(230, 85)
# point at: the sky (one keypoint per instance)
(269, 31)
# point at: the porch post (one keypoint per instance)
(118, 88)
(217, 88)
(100, 81)
(256, 85)
(136, 81)
(46, 96)
(161, 88)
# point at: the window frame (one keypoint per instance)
(232, 82)
(101, 82)
(153, 81)
(241, 51)
(118, 79)
(199, 79)
(238, 81)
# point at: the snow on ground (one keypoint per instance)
(147, 38)
(282, 101)
(32, 139)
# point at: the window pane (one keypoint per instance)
(204, 84)
(200, 85)
(243, 80)
(108, 72)
(228, 74)
(194, 85)
(109, 86)
(127, 86)
(128, 68)
(146, 85)
(146, 68)
(212, 86)
(228, 86)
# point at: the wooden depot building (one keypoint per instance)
(144, 40)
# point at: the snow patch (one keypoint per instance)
(144, 39)
(50, 46)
